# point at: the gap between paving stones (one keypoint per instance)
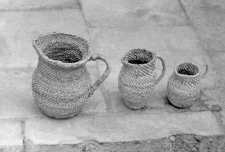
(86, 25)
(105, 93)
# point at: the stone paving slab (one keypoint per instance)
(119, 128)
(10, 5)
(11, 138)
(208, 20)
(174, 44)
(17, 100)
(157, 25)
(208, 17)
(177, 143)
(117, 13)
(20, 28)
(215, 95)
(16, 95)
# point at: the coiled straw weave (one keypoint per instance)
(61, 82)
(137, 77)
(184, 86)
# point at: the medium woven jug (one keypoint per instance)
(184, 86)
(137, 78)
(61, 83)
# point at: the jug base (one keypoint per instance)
(134, 105)
(181, 104)
(57, 115)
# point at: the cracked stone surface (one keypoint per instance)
(119, 128)
(181, 143)
(195, 143)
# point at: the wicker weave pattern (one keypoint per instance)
(61, 96)
(137, 78)
(61, 83)
(184, 86)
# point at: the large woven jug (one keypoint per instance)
(61, 83)
(184, 84)
(137, 78)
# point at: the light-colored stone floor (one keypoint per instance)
(177, 30)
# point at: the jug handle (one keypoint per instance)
(163, 69)
(104, 75)
(206, 70)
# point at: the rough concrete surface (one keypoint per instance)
(20, 5)
(177, 30)
(208, 19)
(177, 143)
(11, 136)
(20, 28)
(167, 42)
(120, 13)
(120, 128)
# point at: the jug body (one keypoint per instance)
(137, 78)
(184, 85)
(60, 93)
(61, 83)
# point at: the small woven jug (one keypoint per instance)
(61, 83)
(184, 86)
(137, 78)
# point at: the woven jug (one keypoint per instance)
(184, 84)
(61, 83)
(137, 78)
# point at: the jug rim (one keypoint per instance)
(125, 59)
(39, 50)
(185, 75)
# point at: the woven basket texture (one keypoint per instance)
(137, 78)
(61, 81)
(184, 86)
